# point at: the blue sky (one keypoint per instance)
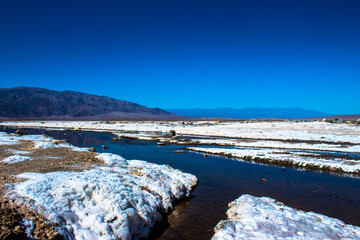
(188, 54)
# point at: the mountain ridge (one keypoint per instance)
(30, 103)
(41, 103)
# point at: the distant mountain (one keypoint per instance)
(249, 113)
(39, 103)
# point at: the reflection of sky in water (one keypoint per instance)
(222, 180)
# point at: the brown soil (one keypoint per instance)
(11, 214)
(44, 160)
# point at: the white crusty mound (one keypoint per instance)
(16, 158)
(112, 159)
(263, 218)
(119, 202)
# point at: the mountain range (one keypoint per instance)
(40, 103)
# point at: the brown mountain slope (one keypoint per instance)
(39, 103)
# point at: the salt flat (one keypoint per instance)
(136, 191)
(316, 131)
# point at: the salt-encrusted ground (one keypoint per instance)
(252, 217)
(286, 158)
(258, 143)
(16, 158)
(311, 145)
(335, 147)
(315, 131)
(102, 196)
(279, 143)
(40, 141)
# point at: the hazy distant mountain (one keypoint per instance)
(39, 103)
(249, 113)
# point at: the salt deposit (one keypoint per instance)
(252, 217)
(16, 158)
(314, 131)
(295, 158)
(121, 200)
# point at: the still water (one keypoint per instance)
(222, 180)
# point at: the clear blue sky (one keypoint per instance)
(188, 54)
